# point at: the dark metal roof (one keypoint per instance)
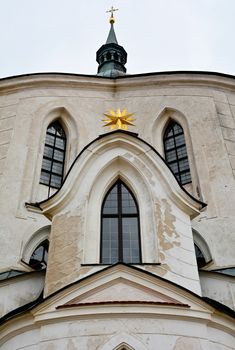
(218, 306)
(112, 36)
(129, 76)
(229, 271)
(11, 273)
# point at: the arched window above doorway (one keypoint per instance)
(176, 152)
(120, 233)
(53, 156)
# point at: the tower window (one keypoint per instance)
(53, 156)
(176, 152)
(120, 233)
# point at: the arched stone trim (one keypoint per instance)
(37, 238)
(121, 168)
(64, 117)
(159, 127)
(123, 340)
(124, 346)
(202, 245)
(112, 156)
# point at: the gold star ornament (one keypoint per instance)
(119, 119)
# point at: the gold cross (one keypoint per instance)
(112, 10)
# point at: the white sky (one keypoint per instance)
(158, 35)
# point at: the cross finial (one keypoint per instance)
(112, 10)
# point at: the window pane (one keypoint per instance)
(50, 139)
(128, 203)
(177, 129)
(171, 155)
(109, 240)
(59, 155)
(183, 164)
(60, 143)
(56, 181)
(120, 227)
(51, 129)
(169, 144)
(174, 167)
(185, 178)
(46, 164)
(45, 178)
(48, 151)
(176, 153)
(111, 203)
(131, 253)
(179, 140)
(53, 159)
(181, 152)
(57, 168)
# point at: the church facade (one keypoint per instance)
(117, 234)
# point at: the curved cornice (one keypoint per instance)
(96, 145)
(82, 81)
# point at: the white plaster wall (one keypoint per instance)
(20, 290)
(218, 287)
(207, 103)
(106, 334)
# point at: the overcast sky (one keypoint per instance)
(158, 35)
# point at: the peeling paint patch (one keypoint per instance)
(168, 238)
(64, 258)
(156, 270)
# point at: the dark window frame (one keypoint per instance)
(172, 135)
(120, 215)
(46, 176)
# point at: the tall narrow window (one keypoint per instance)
(176, 152)
(53, 156)
(120, 236)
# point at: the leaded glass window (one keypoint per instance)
(176, 152)
(53, 156)
(120, 233)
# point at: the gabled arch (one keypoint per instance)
(123, 341)
(123, 346)
(121, 168)
(112, 156)
(116, 145)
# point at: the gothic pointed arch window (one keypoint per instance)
(53, 156)
(120, 229)
(176, 152)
